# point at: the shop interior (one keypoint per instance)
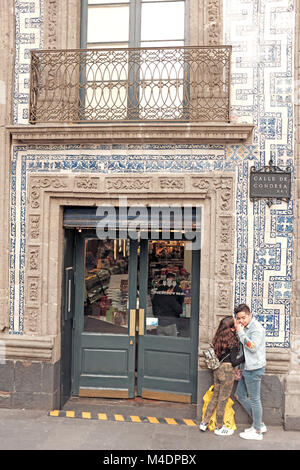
(168, 297)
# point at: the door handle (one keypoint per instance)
(132, 322)
(141, 322)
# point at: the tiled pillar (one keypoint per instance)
(6, 60)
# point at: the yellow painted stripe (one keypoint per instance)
(119, 418)
(190, 422)
(171, 421)
(135, 419)
(153, 420)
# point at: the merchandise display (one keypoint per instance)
(168, 297)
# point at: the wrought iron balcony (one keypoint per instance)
(142, 84)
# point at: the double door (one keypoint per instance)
(135, 319)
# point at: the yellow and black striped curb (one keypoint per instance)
(121, 418)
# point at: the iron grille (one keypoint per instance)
(141, 84)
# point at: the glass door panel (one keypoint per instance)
(168, 308)
(106, 286)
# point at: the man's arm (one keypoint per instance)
(251, 341)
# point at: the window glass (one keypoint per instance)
(157, 14)
(106, 286)
(168, 309)
(106, 24)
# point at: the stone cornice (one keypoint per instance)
(27, 347)
(189, 133)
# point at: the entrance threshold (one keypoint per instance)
(131, 407)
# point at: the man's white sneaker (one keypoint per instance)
(257, 436)
(223, 431)
(263, 428)
(203, 426)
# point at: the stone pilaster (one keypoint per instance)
(62, 24)
(6, 60)
(206, 22)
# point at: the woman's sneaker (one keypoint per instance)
(263, 428)
(203, 426)
(254, 435)
(223, 431)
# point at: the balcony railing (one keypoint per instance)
(142, 84)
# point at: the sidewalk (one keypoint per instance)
(35, 430)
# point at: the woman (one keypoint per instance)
(226, 346)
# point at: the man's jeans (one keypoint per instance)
(248, 394)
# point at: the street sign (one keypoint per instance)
(270, 182)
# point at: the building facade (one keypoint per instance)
(77, 315)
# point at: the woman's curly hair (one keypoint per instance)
(225, 338)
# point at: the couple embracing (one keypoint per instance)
(239, 342)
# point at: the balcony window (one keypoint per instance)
(134, 23)
(134, 65)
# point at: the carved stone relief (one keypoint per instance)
(128, 184)
(213, 189)
(206, 22)
(33, 258)
(86, 183)
(176, 184)
(39, 183)
(214, 17)
(52, 21)
(34, 226)
(31, 320)
(33, 289)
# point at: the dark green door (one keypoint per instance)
(136, 315)
(168, 324)
(67, 316)
(104, 334)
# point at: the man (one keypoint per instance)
(252, 336)
(167, 305)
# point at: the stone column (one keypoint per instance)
(6, 85)
(292, 392)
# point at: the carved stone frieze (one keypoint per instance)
(86, 183)
(224, 263)
(206, 22)
(211, 190)
(33, 258)
(52, 23)
(170, 183)
(201, 183)
(128, 184)
(34, 226)
(225, 187)
(223, 295)
(38, 183)
(214, 22)
(33, 289)
(31, 320)
(225, 231)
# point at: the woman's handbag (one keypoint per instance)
(229, 421)
(211, 359)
